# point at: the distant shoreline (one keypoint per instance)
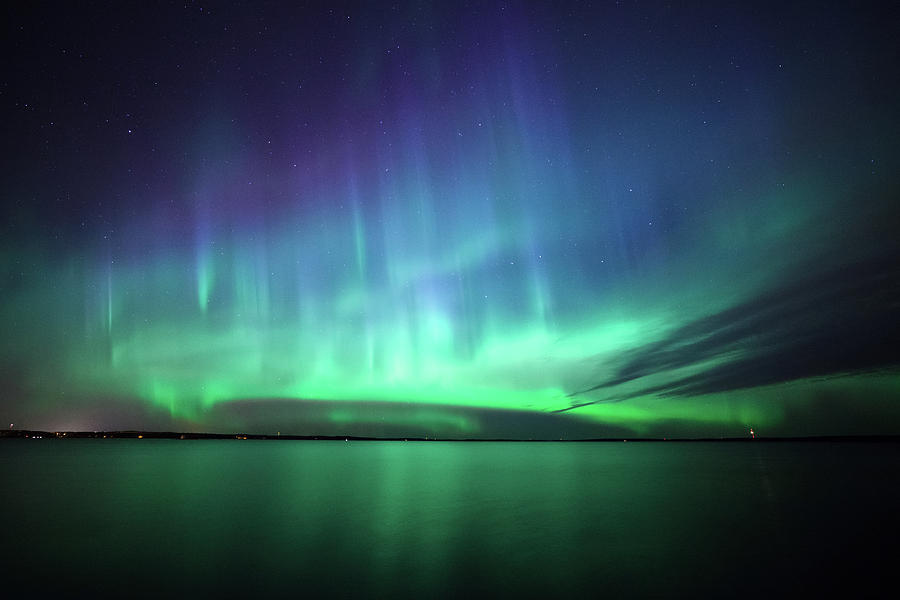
(170, 435)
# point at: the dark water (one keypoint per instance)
(393, 518)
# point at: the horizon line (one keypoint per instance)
(140, 434)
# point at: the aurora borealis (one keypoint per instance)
(444, 219)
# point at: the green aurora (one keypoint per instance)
(490, 251)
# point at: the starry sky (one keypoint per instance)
(455, 219)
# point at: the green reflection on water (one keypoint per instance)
(395, 518)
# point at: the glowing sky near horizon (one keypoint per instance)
(500, 220)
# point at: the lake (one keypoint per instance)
(446, 519)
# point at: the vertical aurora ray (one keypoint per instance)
(109, 302)
(549, 220)
(205, 271)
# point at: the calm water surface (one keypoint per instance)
(394, 518)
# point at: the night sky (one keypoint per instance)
(451, 219)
